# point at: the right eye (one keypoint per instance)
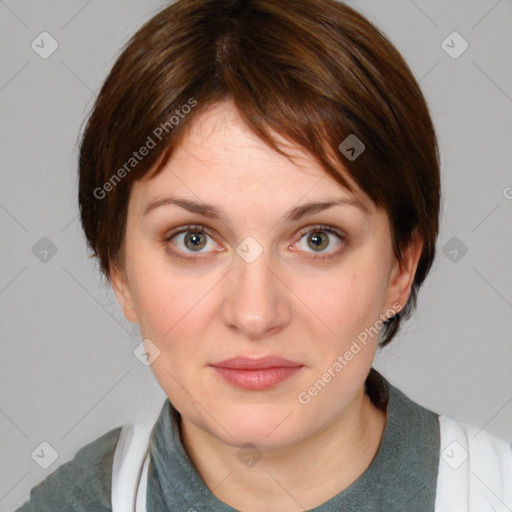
(189, 238)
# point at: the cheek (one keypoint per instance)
(350, 301)
(171, 318)
(164, 305)
(170, 306)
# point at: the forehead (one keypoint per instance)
(219, 135)
(221, 158)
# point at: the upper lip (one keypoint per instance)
(248, 363)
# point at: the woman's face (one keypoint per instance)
(257, 282)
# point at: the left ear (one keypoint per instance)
(402, 276)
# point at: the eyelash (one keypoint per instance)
(310, 229)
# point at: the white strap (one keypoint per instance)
(142, 489)
(475, 470)
(130, 467)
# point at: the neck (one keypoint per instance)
(298, 477)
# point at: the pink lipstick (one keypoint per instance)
(256, 373)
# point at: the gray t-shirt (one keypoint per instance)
(401, 477)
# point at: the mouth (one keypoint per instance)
(256, 373)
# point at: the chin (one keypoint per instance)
(262, 425)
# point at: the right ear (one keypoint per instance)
(123, 293)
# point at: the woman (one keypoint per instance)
(260, 182)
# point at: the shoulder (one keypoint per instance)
(475, 466)
(467, 439)
(80, 485)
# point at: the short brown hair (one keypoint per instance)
(313, 71)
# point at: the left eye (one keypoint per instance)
(318, 237)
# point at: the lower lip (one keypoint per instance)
(257, 379)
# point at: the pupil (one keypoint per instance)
(195, 238)
(316, 238)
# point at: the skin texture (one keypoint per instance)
(285, 302)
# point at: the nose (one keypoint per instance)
(257, 299)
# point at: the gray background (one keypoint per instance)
(68, 373)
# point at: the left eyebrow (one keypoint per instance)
(311, 208)
(210, 211)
